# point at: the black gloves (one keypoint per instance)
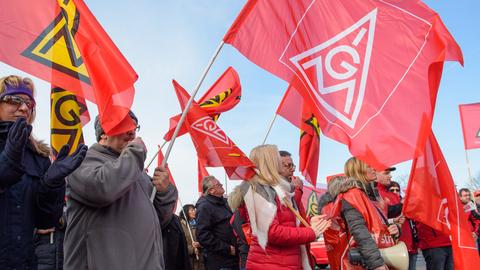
(17, 140)
(64, 165)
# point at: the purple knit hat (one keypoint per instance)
(21, 89)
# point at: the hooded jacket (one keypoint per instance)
(111, 222)
(25, 202)
(277, 240)
(349, 204)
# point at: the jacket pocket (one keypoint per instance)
(110, 249)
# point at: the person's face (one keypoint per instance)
(216, 189)
(191, 213)
(14, 106)
(287, 168)
(465, 197)
(395, 190)
(371, 173)
(118, 142)
(384, 178)
(477, 199)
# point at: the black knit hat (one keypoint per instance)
(99, 130)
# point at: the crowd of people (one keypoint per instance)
(92, 209)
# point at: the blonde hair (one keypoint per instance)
(267, 160)
(357, 169)
(15, 81)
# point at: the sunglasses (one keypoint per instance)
(394, 190)
(19, 101)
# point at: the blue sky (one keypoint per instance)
(165, 40)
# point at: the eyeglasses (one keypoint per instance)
(394, 190)
(19, 101)
(289, 165)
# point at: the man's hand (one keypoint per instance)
(297, 182)
(232, 250)
(393, 229)
(160, 178)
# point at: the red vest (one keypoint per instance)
(337, 250)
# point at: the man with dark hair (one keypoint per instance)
(213, 227)
(112, 224)
(287, 169)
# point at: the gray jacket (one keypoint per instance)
(111, 222)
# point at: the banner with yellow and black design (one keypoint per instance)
(68, 114)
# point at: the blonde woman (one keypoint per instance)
(367, 227)
(278, 240)
(32, 189)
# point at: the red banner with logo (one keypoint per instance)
(369, 69)
(470, 115)
(214, 147)
(222, 96)
(432, 199)
(63, 43)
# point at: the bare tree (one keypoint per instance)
(474, 184)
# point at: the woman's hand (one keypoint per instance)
(196, 244)
(320, 224)
(393, 229)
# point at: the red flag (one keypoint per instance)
(369, 69)
(299, 114)
(432, 199)
(469, 115)
(222, 96)
(62, 42)
(160, 161)
(202, 172)
(214, 148)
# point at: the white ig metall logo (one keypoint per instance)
(351, 77)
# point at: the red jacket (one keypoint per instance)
(431, 238)
(284, 240)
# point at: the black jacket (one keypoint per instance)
(25, 204)
(215, 233)
(175, 251)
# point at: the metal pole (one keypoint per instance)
(468, 167)
(189, 103)
(187, 107)
(270, 128)
(156, 155)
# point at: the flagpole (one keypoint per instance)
(189, 103)
(270, 128)
(185, 110)
(468, 167)
(156, 155)
(226, 183)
